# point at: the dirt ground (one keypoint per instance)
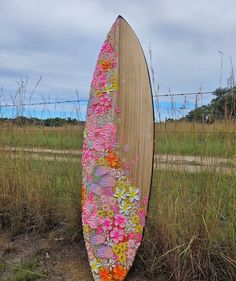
(56, 258)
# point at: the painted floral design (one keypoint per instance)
(113, 210)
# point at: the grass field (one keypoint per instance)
(218, 139)
(191, 230)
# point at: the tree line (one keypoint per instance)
(48, 122)
(223, 106)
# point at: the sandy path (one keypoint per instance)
(186, 163)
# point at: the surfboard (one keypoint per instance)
(117, 156)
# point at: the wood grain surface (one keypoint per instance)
(136, 121)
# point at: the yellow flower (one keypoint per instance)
(120, 184)
(125, 207)
(108, 89)
(135, 219)
(120, 248)
(123, 246)
(101, 213)
(102, 161)
(139, 228)
(98, 93)
(115, 82)
(115, 85)
(122, 258)
(116, 249)
(110, 213)
(101, 61)
(128, 202)
(123, 184)
(86, 229)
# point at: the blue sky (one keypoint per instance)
(59, 40)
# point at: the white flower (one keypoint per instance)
(133, 193)
(96, 277)
(95, 265)
(109, 241)
(125, 207)
(130, 226)
(110, 263)
(120, 194)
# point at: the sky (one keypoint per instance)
(59, 41)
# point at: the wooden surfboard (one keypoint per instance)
(117, 155)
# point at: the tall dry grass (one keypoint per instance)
(191, 227)
(191, 230)
(39, 195)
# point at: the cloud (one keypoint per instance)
(60, 40)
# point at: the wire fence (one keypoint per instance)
(86, 100)
(167, 106)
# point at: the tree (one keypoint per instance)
(223, 106)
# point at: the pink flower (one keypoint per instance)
(107, 223)
(98, 133)
(89, 208)
(111, 128)
(131, 236)
(106, 207)
(130, 253)
(100, 138)
(144, 201)
(116, 208)
(87, 155)
(101, 144)
(107, 193)
(120, 220)
(91, 119)
(99, 78)
(139, 237)
(90, 198)
(88, 161)
(107, 200)
(94, 221)
(89, 250)
(107, 48)
(142, 216)
(117, 235)
(105, 101)
(99, 230)
(131, 244)
(90, 255)
(103, 106)
(103, 138)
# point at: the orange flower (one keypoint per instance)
(119, 272)
(105, 274)
(106, 65)
(113, 160)
(83, 194)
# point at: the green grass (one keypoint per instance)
(26, 271)
(3, 267)
(183, 138)
(191, 233)
(207, 144)
(53, 138)
(38, 195)
(191, 226)
(191, 222)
